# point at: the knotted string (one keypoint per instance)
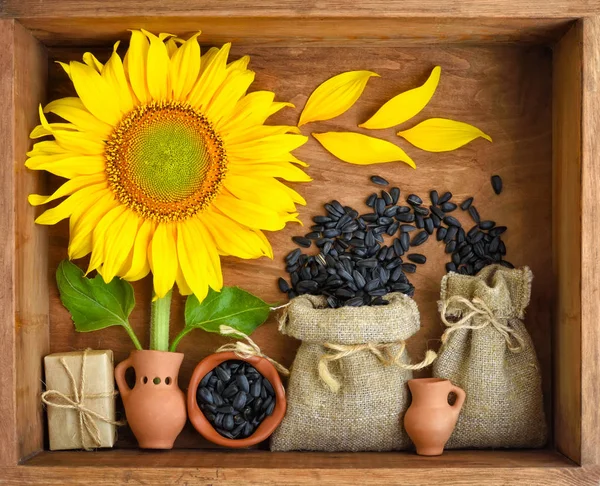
(383, 352)
(246, 350)
(75, 401)
(478, 307)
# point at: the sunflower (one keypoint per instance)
(170, 164)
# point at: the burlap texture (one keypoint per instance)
(367, 413)
(504, 405)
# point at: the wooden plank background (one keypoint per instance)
(299, 8)
(506, 91)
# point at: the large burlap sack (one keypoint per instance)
(347, 389)
(487, 351)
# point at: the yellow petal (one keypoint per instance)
(224, 100)
(182, 285)
(267, 192)
(193, 259)
(68, 167)
(114, 74)
(140, 266)
(283, 170)
(68, 206)
(163, 258)
(95, 93)
(233, 238)
(185, 67)
(171, 47)
(210, 79)
(356, 148)
(92, 62)
(46, 147)
(119, 242)
(442, 135)
(42, 131)
(213, 267)
(74, 111)
(256, 132)
(85, 218)
(240, 64)
(99, 236)
(273, 147)
(335, 96)
(67, 189)
(250, 214)
(135, 65)
(157, 67)
(405, 105)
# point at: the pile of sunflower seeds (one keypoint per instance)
(354, 267)
(235, 398)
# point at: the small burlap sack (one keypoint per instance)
(347, 389)
(487, 351)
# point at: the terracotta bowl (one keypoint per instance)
(266, 427)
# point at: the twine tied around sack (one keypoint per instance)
(247, 350)
(478, 307)
(383, 351)
(76, 401)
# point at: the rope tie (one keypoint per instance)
(247, 350)
(76, 401)
(478, 307)
(383, 352)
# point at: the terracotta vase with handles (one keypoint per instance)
(430, 419)
(155, 407)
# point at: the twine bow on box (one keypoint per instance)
(76, 401)
(478, 307)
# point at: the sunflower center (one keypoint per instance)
(165, 161)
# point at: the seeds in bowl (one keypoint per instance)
(235, 398)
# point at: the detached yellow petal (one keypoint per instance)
(356, 148)
(442, 135)
(406, 105)
(335, 96)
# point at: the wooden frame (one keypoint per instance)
(572, 28)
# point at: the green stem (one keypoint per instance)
(160, 313)
(134, 338)
(179, 337)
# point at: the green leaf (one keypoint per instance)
(232, 306)
(94, 304)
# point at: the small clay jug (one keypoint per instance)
(430, 419)
(267, 426)
(155, 406)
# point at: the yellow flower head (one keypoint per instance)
(169, 163)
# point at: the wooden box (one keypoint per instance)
(528, 73)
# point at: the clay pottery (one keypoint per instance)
(430, 419)
(155, 406)
(266, 427)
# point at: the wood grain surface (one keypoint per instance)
(458, 468)
(294, 32)
(23, 255)
(299, 8)
(506, 91)
(590, 252)
(567, 242)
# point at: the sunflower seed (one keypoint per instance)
(445, 198)
(405, 217)
(450, 267)
(466, 204)
(414, 200)
(380, 181)
(498, 230)
(301, 241)
(417, 258)
(419, 238)
(429, 225)
(321, 219)
(437, 211)
(292, 257)
(222, 373)
(441, 233)
(420, 222)
(448, 207)
(371, 200)
(395, 193)
(434, 196)
(450, 246)
(421, 210)
(486, 225)
(283, 285)
(206, 395)
(474, 214)
(405, 228)
(386, 196)
(452, 221)
(405, 241)
(314, 235)
(497, 184)
(409, 267)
